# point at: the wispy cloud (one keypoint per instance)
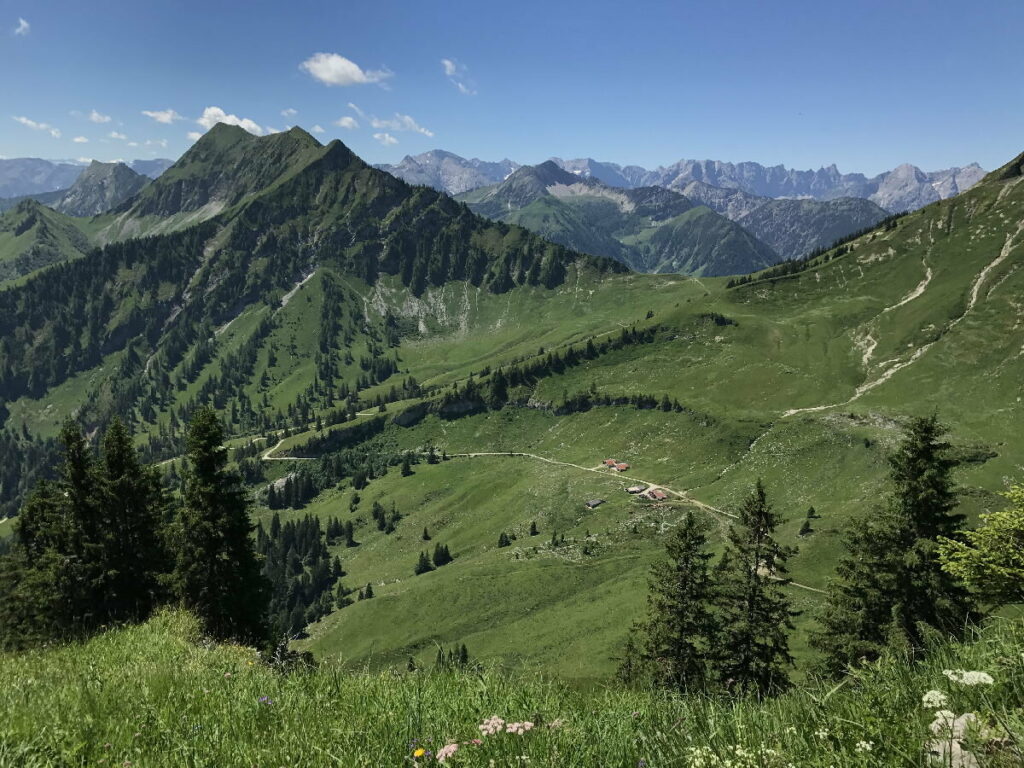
(23, 28)
(357, 110)
(458, 75)
(213, 115)
(55, 132)
(194, 135)
(349, 123)
(117, 135)
(317, 128)
(385, 138)
(289, 112)
(401, 123)
(80, 140)
(156, 143)
(165, 116)
(335, 69)
(96, 117)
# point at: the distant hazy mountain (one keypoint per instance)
(449, 173)
(904, 188)
(99, 188)
(791, 227)
(650, 229)
(29, 175)
(24, 176)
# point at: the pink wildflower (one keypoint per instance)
(492, 725)
(446, 751)
(519, 728)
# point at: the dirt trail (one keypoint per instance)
(888, 373)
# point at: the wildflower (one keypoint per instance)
(227, 675)
(821, 733)
(934, 700)
(447, 751)
(266, 700)
(555, 724)
(865, 746)
(790, 729)
(492, 725)
(968, 678)
(420, 752)
(519, 728)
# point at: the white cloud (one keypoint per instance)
(458, 75)
(165, 116)
(116, 135)
(194, 135)
(133, 143)
(96, 117)
(80, 140)
(347, 122)
(55, 132)
(335, 69)
(213, 115)
(289, 112)
(357, 110)
(317, 128)
(85, 159)
(401, 123)
(23, 28)
(156, 143)
(385, 138)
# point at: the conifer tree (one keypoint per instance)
(680, 630)
(216, 573)
(503, 540)
(754, 611)
(891, 586)
(533, 528)
(423, 565)
(133, 503)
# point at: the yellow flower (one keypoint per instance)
(419, 752)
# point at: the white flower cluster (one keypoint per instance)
(934, 700)
(865, 746)
(968, 678)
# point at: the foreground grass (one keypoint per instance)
(158, 695)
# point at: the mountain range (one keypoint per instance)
(903, 188)
(650, 229)
(346, 324)
(24, 176)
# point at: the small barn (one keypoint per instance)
(594, 503)
(610, 462)
(657, 495)
(621, 466)
(634, 489)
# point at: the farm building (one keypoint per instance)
(657, 494)
(621, 466)
(594, 503)
(610, 462)
(636, 489)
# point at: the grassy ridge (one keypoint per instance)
(155, 696)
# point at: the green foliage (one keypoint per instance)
(216, 573)
(990, 559)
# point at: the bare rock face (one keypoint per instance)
(101, 186)
(448, 172)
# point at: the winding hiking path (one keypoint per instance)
(891, 371)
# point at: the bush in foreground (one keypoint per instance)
(159, 695)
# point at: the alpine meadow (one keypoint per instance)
(312, 454)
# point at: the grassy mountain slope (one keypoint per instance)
(33, 236)
(802, 379)
(157, 695)
(651, 229)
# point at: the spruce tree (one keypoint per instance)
(754, 611)
(216, 573)
(503, 540)
(133, 506)
(891, 587)
(680, 629)
(423, 565)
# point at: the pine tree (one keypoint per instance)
(680, 630)
(754, 610)
(368, 592)
(133, 503)
(216, 573)
(426, 535)
(533, 528)
(406, 465)
(503, 540)
(890, 585)
(423, 565)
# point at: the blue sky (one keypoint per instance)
(866, 85)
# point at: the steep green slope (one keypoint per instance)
(33, 236)
(339, 318)
(651, 229)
